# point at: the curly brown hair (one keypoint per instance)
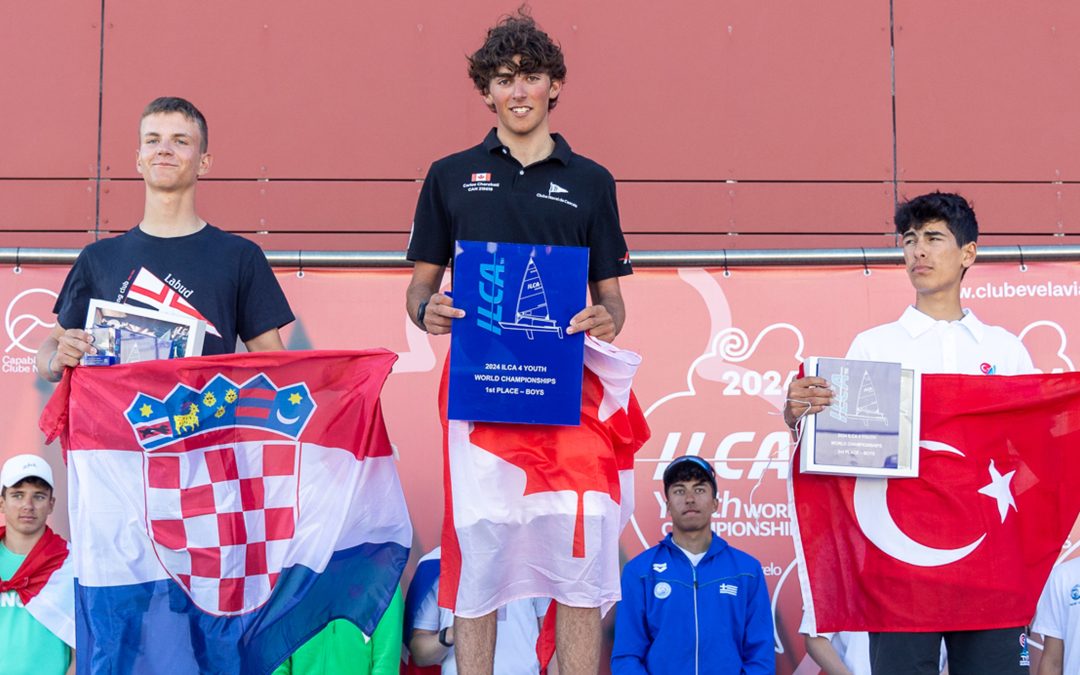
(517, 35)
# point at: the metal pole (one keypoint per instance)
(722, 258)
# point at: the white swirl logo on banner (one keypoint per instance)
(19, 326)
(730, 345)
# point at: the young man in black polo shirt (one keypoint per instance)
(522, 184)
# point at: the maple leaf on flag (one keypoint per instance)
(579, 459)
(516, 496)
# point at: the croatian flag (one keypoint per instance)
(226, 508)
(44, 584)
(535, 510)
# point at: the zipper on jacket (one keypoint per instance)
(697, 648)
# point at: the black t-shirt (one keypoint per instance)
(484, 194)
(211, 274)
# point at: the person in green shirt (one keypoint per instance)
(27, 647)
(342, 649)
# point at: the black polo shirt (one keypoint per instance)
(484, 194)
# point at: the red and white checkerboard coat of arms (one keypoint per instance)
(221, 479)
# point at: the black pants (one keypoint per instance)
(971, 652)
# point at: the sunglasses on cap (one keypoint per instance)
(695, 460)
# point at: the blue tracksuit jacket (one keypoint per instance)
(677, 618)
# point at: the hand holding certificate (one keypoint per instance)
(511, 358)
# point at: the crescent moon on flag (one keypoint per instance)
(876, 522)
(287, 420)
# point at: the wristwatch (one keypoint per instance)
(420, 311)
(442, 638)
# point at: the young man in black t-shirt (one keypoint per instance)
(522, 184)
(173, 260)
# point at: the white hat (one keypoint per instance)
(20, 467)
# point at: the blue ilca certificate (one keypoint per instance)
(510, 357)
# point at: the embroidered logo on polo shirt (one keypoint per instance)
(555, 189)
(480, 182)
(988, 369)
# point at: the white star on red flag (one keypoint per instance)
(1000, 489)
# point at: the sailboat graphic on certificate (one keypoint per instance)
(532, 314)
(867, 409)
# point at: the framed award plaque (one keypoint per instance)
(129, 334)
(872, 426)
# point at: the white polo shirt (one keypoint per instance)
(966, 347)
(1058, 613)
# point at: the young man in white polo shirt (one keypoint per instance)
(935, 335)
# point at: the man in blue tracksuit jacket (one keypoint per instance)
(693, 604)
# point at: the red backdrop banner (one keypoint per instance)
(718, 352)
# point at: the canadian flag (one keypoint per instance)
(536, 511)
(969, 543)
(481, 177)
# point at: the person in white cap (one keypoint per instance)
(36, 606)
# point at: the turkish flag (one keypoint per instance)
(969, 543)
(536, 510)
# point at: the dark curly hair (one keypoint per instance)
(951, 208)
(517, 35)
